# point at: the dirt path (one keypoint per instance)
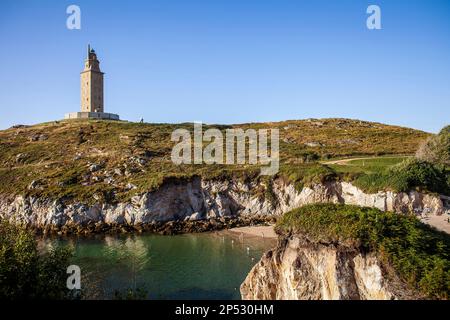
(345, 161)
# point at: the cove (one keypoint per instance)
(190, 266)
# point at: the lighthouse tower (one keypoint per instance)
(91, 84)
(91, 91)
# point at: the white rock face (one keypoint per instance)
(198, 199)
(298, 270)
(402, 202)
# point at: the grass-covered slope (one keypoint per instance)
(407, 175)
(419, 254)
(115, 159)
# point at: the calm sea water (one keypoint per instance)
(190, 266)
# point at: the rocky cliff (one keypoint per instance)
(198, 199)
(298, 269)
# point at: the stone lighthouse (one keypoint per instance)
(91, 91)
(91, 84)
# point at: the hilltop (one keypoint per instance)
(83, 159)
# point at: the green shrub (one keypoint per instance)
(436, 149)
(301, 175)
(269, 194)
(419, 254)
(319, 174)
(409, 174)
(27, 274)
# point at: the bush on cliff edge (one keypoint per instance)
(419, 254)
(408, 175)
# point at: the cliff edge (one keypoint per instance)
(339, 252)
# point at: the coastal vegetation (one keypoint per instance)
(428, 171)
(111, 161)
(93, 161)
(436, 149)
(407, 175)
(417, 253)
(25, 271)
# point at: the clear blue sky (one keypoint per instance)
(230, 61)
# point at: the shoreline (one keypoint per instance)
(260, 231)
(164, 228)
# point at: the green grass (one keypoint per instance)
(398, 174)
(419, 254)
(372, 165)
(307, 174)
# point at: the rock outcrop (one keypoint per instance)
(198, 199)
(300, 270)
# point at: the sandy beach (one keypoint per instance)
(256, 231)
(439, 222)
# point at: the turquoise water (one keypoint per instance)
(190, 266)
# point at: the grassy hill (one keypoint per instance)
(83, 159)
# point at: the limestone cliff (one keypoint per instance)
(298, 269)
(199, 199)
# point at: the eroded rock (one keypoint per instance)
(299, 270)
(198, 199)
